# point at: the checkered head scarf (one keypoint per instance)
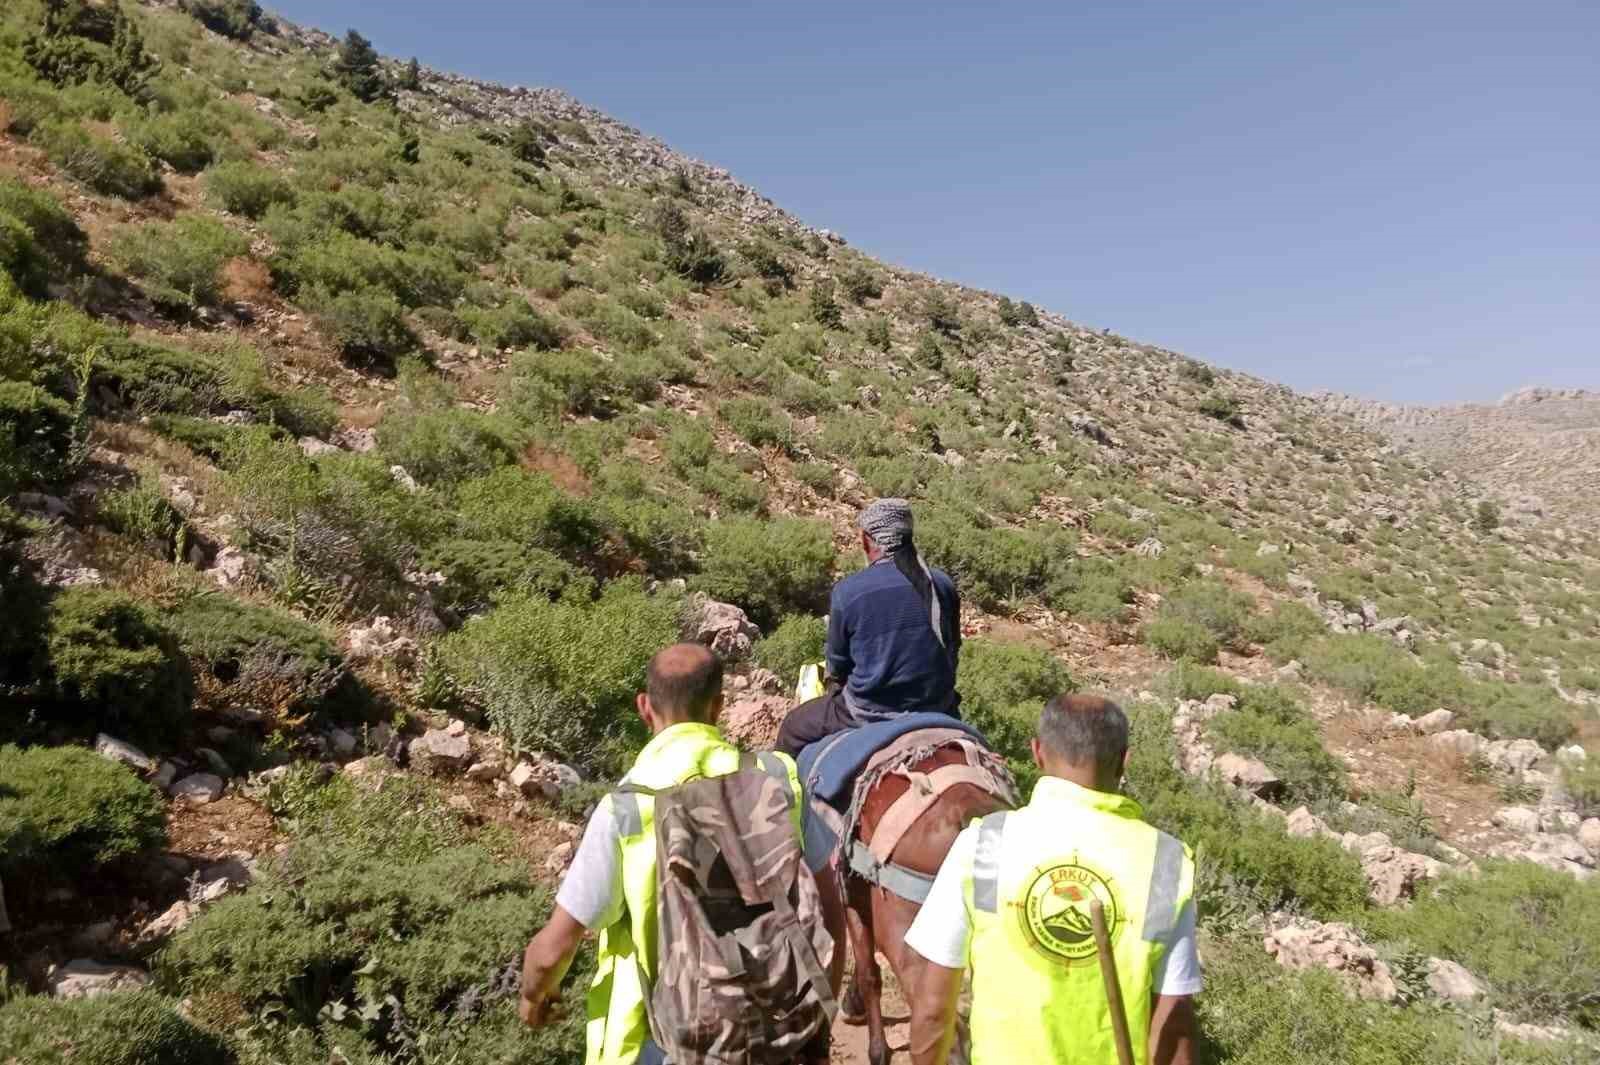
(889, 523)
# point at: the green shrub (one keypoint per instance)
(824, 308)
(759, 422)
(514, 324)
(101, 163)
(141, 513)
(367, 325)
(36, 432)
(203, 436)
(817, 476)
(1221, 611)
(440, 447)
(1287, 630)
(476, 572)
(259, 656)
(1271, 726)
(767, 263)
(356, 67)
(992, 566)
(238, 19)
(1486, 518)
(770, 568)
(1521, 928)
(1222, 408)
(64, 811)
(184, 140)
(860, 285)
(563, 676)
(129, 1028)
(1004, 687)
(115, 666)
(246, 189)
(1093, 589)
(23, 660)
(796, 643)
(941, 312)
(1581, 779)
(180, 262)
(54, 232)
(1180, 639)
(1247, 861)
(550, 383)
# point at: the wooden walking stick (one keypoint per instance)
(1108, 969)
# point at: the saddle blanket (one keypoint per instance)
(830, 766)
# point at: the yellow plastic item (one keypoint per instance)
(810, 686)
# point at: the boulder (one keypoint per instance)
(1248, 773)
(126, 753)
(491, 768)
(215, 762)
(165, 774)
(379, 641)
(437, 753)
(1514, 756)
(198, 789)
(1459, 741)
(560, 857)
(343, 742)
(1304, 824)
(1393, 874)
(1335, 947)
(1434, 722)
(722, 627)
(544, 778)
(311, 447)
(1589, 836)
(174, 920)
(1517, 819)
(1451, 981)
(83, 978)
(404, 479)
(231, 567)
(753, 721)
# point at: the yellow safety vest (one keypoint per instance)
(1037, 991)
(618, 1026)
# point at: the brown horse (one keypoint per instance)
(878, 919)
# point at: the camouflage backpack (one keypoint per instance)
(742, 948)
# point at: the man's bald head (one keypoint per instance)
(1088, 733)
(685, 683)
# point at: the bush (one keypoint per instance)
(64, 811)
(179, 263)
(878, 333)
(21, 260)
(1286, 632)
(129, 1028)
(860, 285)
(184, 140)
(1221, 611)
(1581, 779)
(770, 568)
(796, 643)
(515, 324)
(759, 422)
(258, 656)
(563, 676)
(1004, 687)
(115, 666)
(817, 476)
(367, 325)
(247, 189)
(1486, 518)
(476, 572)
(1093, 589)
(141, 513)
(238, 19)
(54, 231)
(36, 432)
(1222, 408)
(1179, 639)
(1247, 862)
(101, 163)
(548, 384)
(992, 566)
(440, 447)
(1521, 928)
(528, 509)
(1269, 725)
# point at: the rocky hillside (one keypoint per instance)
(364, 428)
(1538, 449)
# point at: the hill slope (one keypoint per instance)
(364, 428)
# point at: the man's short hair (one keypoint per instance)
(1085, 730)
(683, 681)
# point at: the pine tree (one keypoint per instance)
(130, 67)
(356, 68)
(411, 78)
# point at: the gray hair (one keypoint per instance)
(1085, 730)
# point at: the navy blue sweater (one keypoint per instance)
(882, 645)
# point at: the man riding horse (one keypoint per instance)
(894, 637)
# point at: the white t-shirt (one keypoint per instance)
(592, 889)
(942, 932)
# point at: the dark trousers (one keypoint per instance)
(814, 720)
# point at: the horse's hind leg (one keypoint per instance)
(867, 985)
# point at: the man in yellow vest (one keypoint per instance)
(1012, 904)
(610, 887)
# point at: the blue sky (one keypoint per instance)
(1400, 200)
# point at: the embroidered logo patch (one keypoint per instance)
(1055, 912)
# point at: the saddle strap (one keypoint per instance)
(924, 792)
(895, 879)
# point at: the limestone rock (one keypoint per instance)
(722, 627)
(312, 447)
(1517, 819)
(1431, 724)
(753, 722)
(560, 857)
(217, 764)
(343, 742)
(198, 789)
(544, 778)
(1589, 836)
(174, 920)
(126, 753)
(1452, 982)
(1460, 741)
(1248, 773)
(1393, 874)
(437, 753)
(1336, 947)
(1304, 824)
(489, 769)
(83, 978)
(378, 641)
(231, 567)
(1514, 756)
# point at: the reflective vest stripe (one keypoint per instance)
(1166, 882)
(986, 863)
